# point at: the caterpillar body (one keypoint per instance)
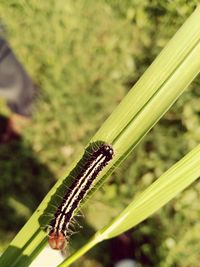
(59, 226)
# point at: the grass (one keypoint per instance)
(94, 61)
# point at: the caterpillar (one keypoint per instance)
(59, 225)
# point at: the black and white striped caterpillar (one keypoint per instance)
(59, 226)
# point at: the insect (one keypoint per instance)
(59, 226)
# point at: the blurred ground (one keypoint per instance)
(84, 56)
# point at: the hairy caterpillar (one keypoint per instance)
(59, 226)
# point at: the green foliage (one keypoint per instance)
(84, 56)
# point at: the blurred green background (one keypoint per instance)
(84, 56)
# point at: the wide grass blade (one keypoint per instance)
(172, 182)
(148, 100)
